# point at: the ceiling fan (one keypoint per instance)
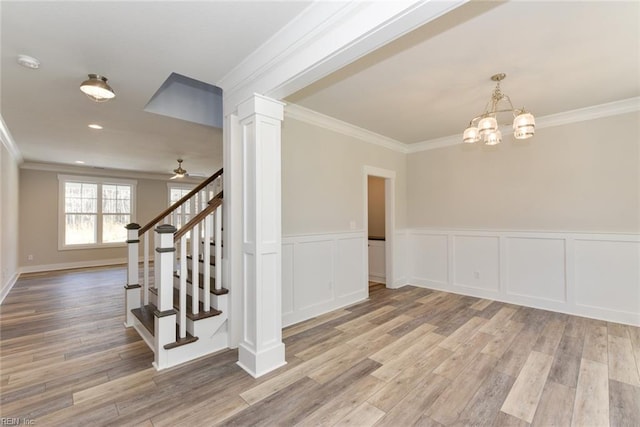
(179, 172)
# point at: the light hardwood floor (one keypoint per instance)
(404, 357)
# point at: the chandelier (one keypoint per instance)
(485, 126)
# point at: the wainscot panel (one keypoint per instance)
(321, 273)
(586, 274)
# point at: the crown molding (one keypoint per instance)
(567, 117)
(112, 173)
(297, 112)
(9, 142)
(306, 115)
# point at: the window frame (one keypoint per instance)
(99, 181)
(179, 186)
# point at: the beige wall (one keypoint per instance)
(323, 181)
(39, 220)
(578, 177)
(375, 202)
(8, 219)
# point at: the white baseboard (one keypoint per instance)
(69, 265)
(6, 287)
(377, 279)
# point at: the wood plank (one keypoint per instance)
(394, 349)
(523, 398)
(408, 380)
(556, 405)
(415, 403)
(624, 404)
(503, 339)
(463, 333)
(363, 416)
(595, 344)
(494, 325)
(486, 402)
(447, 408)
(592, 403)
(338, 406)
(481, 304)
(408, 357)
(463, 356)
(622, 365)
(550, 337)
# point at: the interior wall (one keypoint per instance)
(582, 176)
(375, 201)
(9, 220)
(322, 179)
(39, 222)
(324, 243)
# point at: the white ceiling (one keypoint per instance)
(558, 56)
(137, 45)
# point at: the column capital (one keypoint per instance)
(262, 105)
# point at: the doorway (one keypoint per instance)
(379, 220)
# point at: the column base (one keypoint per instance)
(259, 363)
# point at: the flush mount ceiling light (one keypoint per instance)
(95, 126)
(485, 126)
(179, 172)
(97, 89)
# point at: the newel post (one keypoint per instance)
(132, 290)
(165, 315)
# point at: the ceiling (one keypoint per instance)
(558, 56)
(428, 84)
(137, 45)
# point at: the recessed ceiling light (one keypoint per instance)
(80, 162)
(28, 62)
(95, 126)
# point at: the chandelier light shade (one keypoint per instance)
(485, 126)
(97, 89)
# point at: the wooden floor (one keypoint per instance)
(404, 357)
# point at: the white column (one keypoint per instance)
(132, 288)
(261, 349)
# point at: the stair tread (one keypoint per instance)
(212, 281)
(202, 314)
(146, 317)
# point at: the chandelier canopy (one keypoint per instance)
(485, 126)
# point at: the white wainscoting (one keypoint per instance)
(321, 273)
(592, 275)
(377, 261)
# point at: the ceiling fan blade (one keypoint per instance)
(174, 176)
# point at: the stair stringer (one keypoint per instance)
(212, 336)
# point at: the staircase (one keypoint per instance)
(181, 308)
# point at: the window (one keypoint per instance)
(94, 211)
(177, 192)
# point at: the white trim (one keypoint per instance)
(9, 142)
(71, 265)
(323, 38)
(99, 181)
(567, 117)
(390, 221)
(8, 286)
(435, 265)
(593, 112)
(297, 112)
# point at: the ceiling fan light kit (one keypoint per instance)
(97, 88)
(485, 126)
(179, 171)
